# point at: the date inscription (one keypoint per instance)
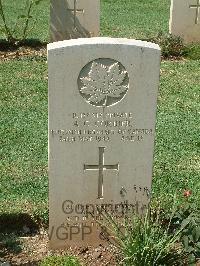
(101, 127)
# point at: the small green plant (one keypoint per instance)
(171, 46)
(10, 30)
(190, 236)
(10, 242)
(147, 240)
(60, 261)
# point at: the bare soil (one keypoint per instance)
(35, 248)
(9, 52)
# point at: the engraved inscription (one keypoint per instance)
(101, 167)
(101, 127)
(103, 82)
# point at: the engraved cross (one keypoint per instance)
(75, 10)
(101, 167)
(197, 6)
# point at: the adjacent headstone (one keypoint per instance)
(185, 20)
(70, 19)
(102, 112)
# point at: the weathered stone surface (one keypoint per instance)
(70, 19)
(185, 20)
(102, 112)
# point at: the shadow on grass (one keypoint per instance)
(17, 223)
(12, 227)
(32, 43)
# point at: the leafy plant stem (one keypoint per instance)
(27, 20)
(174, 208)
(7, 30)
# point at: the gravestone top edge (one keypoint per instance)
(102, 40)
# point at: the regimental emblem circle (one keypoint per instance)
(103, 82)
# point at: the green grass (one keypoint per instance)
(24, 119)
(144, 241)
(23, 86)
(137, 19)
(39, 24)
(60, 261)
(177, 159)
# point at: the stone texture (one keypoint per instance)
(185, 20)
(67, 24)
(102, 113)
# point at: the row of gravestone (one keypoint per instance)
(102, 115)
(81, 18)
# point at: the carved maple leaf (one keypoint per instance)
(103, 82)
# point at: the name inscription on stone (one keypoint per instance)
(88, 127)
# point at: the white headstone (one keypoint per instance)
(185, 20)
(102, 112)
(70, 19)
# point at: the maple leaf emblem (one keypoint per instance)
(104, 83)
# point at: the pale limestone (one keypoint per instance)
(185, 20)
(66, 24)
(102, 113)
